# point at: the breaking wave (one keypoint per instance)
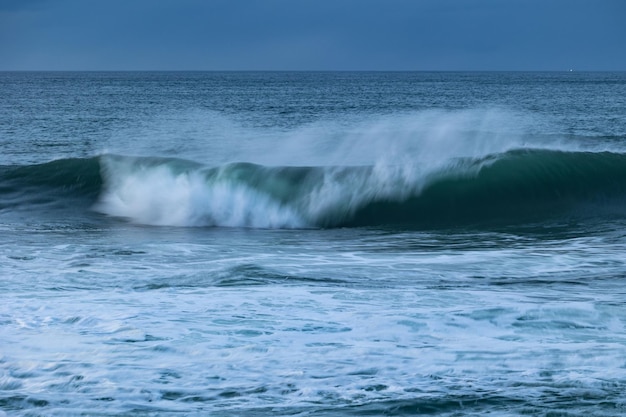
(514, 186)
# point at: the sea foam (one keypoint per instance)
(156, 195)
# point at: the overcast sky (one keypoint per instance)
(312, 34)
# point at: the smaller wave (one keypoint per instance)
(243, 275)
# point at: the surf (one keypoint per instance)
(512, 187)
(515, 186)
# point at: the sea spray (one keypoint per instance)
(336, 139)
(426, 138)
(359, 161)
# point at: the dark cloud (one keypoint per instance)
(312, 34)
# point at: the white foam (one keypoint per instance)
(159, 196)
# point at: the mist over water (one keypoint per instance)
(325, 177)
(312, 244)
(416, 138)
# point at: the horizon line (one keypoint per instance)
(313, 70)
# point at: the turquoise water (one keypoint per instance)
(312, 243)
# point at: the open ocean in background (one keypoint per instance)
(312, 244)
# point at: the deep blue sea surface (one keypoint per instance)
(312, 244)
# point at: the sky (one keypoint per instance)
(422, 35)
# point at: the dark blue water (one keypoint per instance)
(312, 243)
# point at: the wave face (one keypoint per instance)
(517, 186)
(51, 184)
(512, 187)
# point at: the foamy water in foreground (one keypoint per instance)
(142, 321)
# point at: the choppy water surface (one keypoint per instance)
(312, 244)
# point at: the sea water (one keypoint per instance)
(293, 243)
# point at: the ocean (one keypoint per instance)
(312, 243)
